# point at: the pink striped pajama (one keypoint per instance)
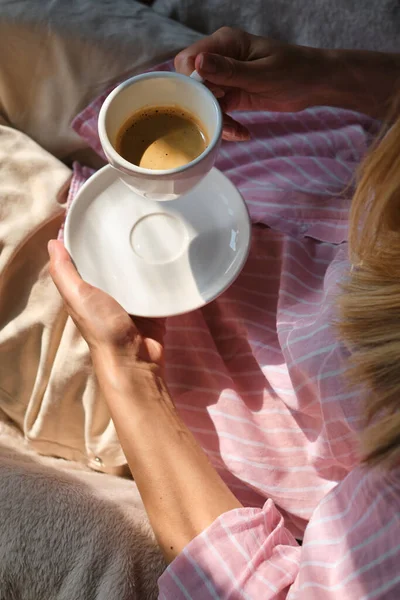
(258, 376)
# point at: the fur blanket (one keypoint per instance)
(68, 533)
(340, 24)
(323, 23)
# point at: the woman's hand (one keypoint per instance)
(112, 335)
(249, 72)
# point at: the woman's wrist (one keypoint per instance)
(121, 374)
(358, 80)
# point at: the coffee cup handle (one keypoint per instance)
(196, 76)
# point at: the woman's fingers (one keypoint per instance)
(97, 315)
(234, 131)
(100, 319)
(225, 41)
(217, 91)
(226, 71)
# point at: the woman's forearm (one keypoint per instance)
(359, 80)
(181, 491)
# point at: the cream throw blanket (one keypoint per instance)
(47, 386)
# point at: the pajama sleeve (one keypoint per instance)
(245, 553)
(351, 550)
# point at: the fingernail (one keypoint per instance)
(218, 92)
(236, 133)
(230, 131)
(244, 134)
(208, 63)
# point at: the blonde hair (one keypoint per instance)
(370, 302)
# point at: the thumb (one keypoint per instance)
(71, 287)
(225, 71)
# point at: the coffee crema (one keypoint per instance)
(161, 138)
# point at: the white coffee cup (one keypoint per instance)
(160, 89)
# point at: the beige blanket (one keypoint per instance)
(46, 382)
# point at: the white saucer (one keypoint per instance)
(158, 258)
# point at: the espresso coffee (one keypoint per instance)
(161, 137)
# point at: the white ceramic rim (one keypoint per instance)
(204, 301)
(125, 164)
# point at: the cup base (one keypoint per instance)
(159, 238)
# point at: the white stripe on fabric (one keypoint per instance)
(312, 354)
(350, 551)
(354, 574)
(338, 516)
(263, 465)
(343, 211)
(207, 581)
(306, 336)
(288, 255)
(248, 558)
(288, 275)
(382, 588)
(299, 299)
(229, 572)
(179, 584)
